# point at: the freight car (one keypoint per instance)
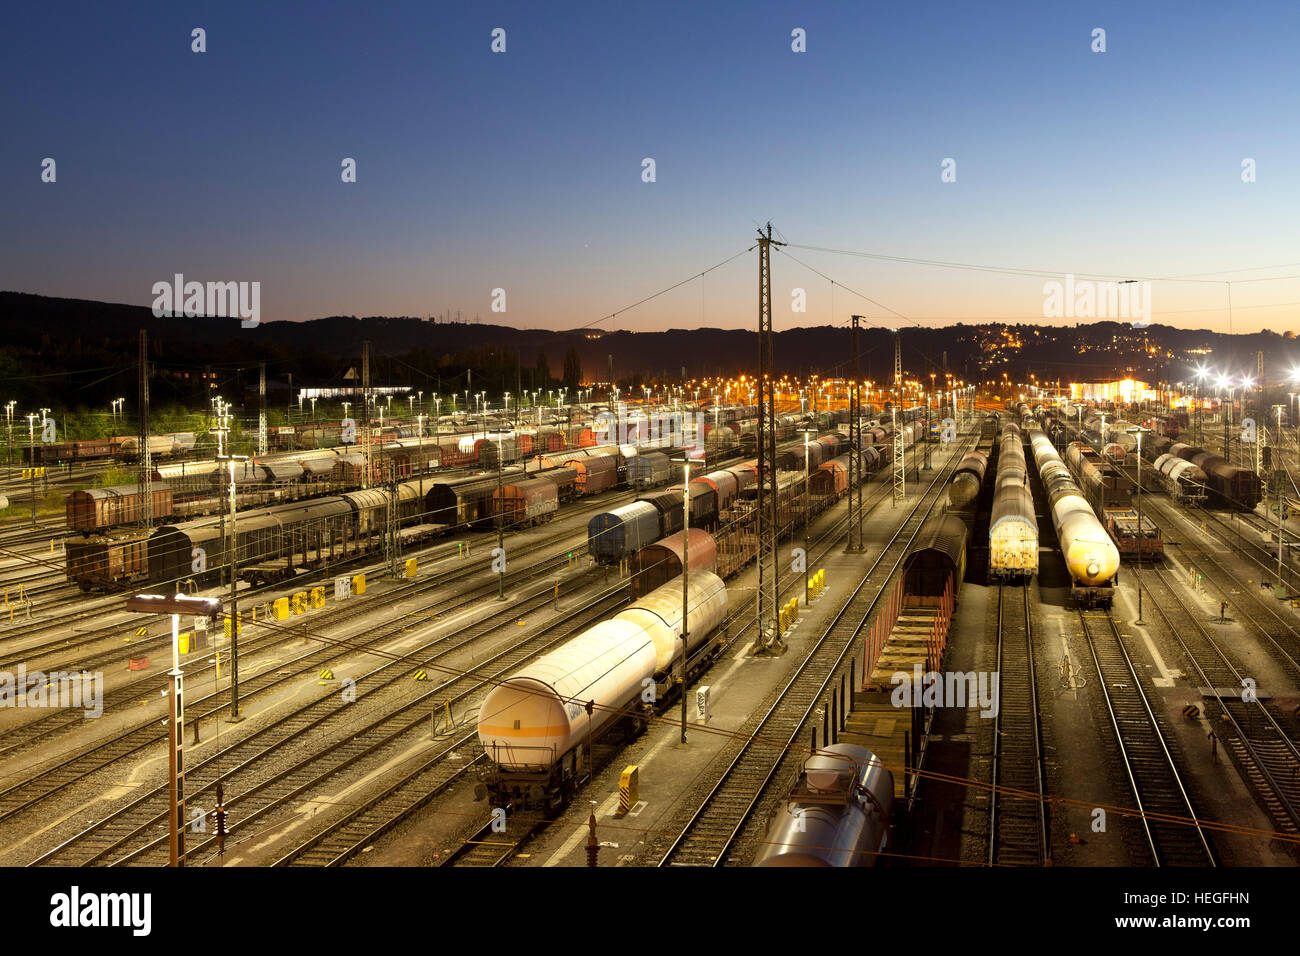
(1183, 480)
(530, 501)
(657, 564)
(275, 543)
(836, 814)
(1109, 491)
(649, 470)
(1013, 525)
(1229, 486)
(968, 480)
(1090, 555)
(98, 509)
(538, 725)
(108, 562)
(618, 534)
(1123, 526)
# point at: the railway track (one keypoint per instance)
(1169, 823)
(714, 827)
(1253, 735)
(1019, 832)
(55, 778)
(486, 847)
(137, 833)
(144, 689)
(1281, 636)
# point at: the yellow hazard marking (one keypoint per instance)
(141, 631)
(628, 787)
(421, 675)
(327, 674)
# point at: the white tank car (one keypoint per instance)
(537, 715)
(1090, 555)
(1013, 525)
(659, 614)
(837, 813)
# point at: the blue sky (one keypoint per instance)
(522, 170)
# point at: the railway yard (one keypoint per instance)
(468, 650)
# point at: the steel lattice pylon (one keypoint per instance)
(365, 415)
(855, 450)
(769, 637)
(146, 457)
(900, 479)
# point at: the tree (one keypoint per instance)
(543, 370)
(572, 368)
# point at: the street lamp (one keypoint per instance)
(1139, 431)
(175, 606)
(234, 600)
(501, 520)
(685, 461)
(807, 493)
(1278, 485)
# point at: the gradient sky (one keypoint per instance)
(523, 170)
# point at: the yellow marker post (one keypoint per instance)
(628, 788)
(358, 584)
(411, 565)
(280, 609)
(318, 597)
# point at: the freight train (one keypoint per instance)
(1013, 526)
(94, 450)
(837, 813)
(615, 536)
(1227, 485)
(538, 726)
(1090, 555)
(1109, 491)
(193, 489)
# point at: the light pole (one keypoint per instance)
(31, 454)
(501, 521)
(1278, 486)
(9, 431)
(1139, 431)
(234, 600)
(420, 454)
(807, 489)
(175, 606)
(685, 462)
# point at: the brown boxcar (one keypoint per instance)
(595, 473)
(104, 564)
(661, 562)
(724, 485)
(96, 509)
(530, 501)
(829, 480)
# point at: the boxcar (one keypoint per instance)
(530, 501)
(622, 532)
(106, 563)
(594, 473)
(96, 509)
(669, 504)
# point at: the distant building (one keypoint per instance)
(1125, 390)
